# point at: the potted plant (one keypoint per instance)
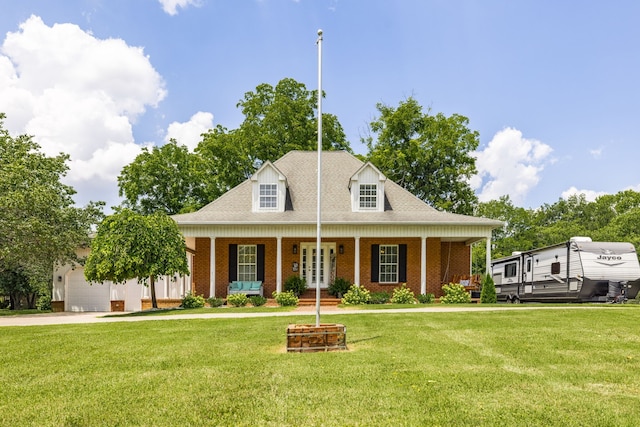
(339, 287)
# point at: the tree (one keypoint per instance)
(128, 245)
(488, 292)
(39, 226)
(277, 120)
(429, 155)
(167, 179)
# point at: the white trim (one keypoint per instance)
(270, 230)
(212, 267)
(279, 264)
(423, 265)
(356, 262)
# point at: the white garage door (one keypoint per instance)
(81, 296)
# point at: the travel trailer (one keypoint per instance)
(578, 270)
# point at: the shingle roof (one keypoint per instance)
(300, 169)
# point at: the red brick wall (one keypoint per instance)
(440, 256)
(433, 267)
(455, 260)
(413, 264)
(201, 270)
(222, 263)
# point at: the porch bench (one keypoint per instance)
(248, 288)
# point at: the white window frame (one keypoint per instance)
(368, 197)
(388, 263)
(268, 195)
(247, 263)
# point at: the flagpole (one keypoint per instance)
(319, 224)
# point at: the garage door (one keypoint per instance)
(81, 296)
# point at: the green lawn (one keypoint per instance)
(565, 367)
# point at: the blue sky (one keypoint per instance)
(551, 86)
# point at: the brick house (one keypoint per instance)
(374, 232)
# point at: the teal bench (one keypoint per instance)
(248, 288)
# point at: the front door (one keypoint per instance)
(308, 263)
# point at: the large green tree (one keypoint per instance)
(167, 179)
(128, 245)
(277, 120)
(39, 225)
(611, 217)
(429, 155)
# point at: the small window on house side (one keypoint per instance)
(268, 196)
(368, 196)
(247, 262)
(388, 263)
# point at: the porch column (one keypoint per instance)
(212, 268)
(356, 262)
(423, 265)
(488, 260)
(279, 264)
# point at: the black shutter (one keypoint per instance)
(233, 263)
(260, 263)
(375, 263)
(402, 263)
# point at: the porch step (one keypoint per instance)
(325, 302)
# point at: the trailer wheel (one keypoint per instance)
(516, 300)
(509, 300)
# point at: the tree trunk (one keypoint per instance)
(14, 301)
(152, 285)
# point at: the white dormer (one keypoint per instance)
(269, 189)
(367, 189)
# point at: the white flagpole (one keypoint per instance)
(319, 227)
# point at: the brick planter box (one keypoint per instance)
(311, 338)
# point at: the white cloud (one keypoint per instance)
(79, 95)
(596, 153)
(189, 133)
(590, 195)
(171, 6)
(509, 165)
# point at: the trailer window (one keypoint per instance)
(510, 270)
(555, 268)
(528, 266)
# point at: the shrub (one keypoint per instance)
(403, 295)
(426, 298)
(44, 303)
(455, 293)
(356, 295)
(379, 298)
(257, 300)
(215, 302)
(339, 287)
(237, 300)
(295, 284)
(192, 301)
(488, 293)
(286, 299)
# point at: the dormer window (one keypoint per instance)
(367, 189)
(268, 196)
(368, 196)
(269, 189)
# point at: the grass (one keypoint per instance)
(561, 366)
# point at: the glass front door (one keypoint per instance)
(308, 263)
